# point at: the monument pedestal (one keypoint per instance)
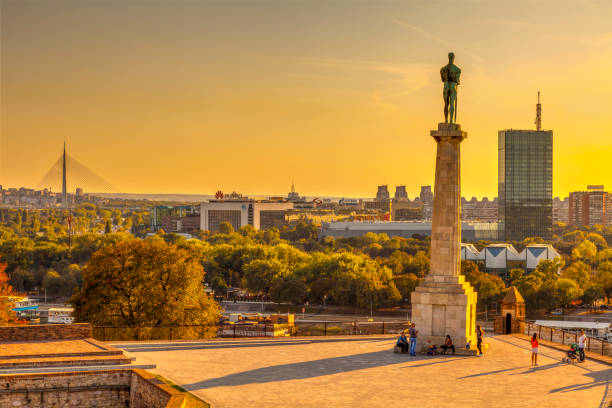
(444, 303)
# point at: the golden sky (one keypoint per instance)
(196, 96)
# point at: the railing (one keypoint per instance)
(593, 344)
(300, 328)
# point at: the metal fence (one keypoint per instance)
(300, 328)
(593, 344)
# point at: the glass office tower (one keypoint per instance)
(525, 184)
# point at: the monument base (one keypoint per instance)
(442, 305)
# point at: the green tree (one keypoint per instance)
(592, 294)
(580, 273)
(566, 291)
(138, 282)
(260, 274)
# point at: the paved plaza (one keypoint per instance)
(364, 372)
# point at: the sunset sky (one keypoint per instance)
(340, 96)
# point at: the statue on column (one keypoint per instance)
(450, 76)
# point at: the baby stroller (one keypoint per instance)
(572, 354)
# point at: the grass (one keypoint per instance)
(192, 400)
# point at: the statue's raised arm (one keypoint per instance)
(450, 74)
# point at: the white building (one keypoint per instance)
(259, 214)
(470, 231)
(497, 256)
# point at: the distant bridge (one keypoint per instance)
(77, 175)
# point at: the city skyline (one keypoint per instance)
(196, 97)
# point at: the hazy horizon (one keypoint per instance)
(193, 97)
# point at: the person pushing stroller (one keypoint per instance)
(572, 354)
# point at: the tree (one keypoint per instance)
(580, 273)
(139, 282)
(586, 250)
(55, 283)
(260, 274)
(549, 268)
(7, 300)
(598, 240)
(592, 294)
(226, 228)
(489, 287)
(566, 291)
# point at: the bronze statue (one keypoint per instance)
(450, 76)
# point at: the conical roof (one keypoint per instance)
(513, 296)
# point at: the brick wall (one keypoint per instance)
(45, 332)
(109, 389)
(102, 389)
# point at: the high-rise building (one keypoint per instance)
(426, 197)
(474, 210)
(382, 193)
(588, 207)
(400, 193)
(609, 212)
(561, 210)
(525, 183)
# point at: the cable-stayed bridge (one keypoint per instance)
(75, 175)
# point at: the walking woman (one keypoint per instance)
(479, 335)
(534, 349)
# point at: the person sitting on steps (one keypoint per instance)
(402, 342)
(448, 344)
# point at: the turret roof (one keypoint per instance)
(513, 296)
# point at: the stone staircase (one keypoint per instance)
(61, 354)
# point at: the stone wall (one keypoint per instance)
(45, 332)
(146, 391)
(101, 389)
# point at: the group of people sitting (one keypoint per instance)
(402, 342)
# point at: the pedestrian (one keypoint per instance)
(581, 342)
(479, 335)
(413, 339)
(534, 349)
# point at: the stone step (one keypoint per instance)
(64, 361)
(52, 355)
(459, 351)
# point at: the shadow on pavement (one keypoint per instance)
(310, 369)
(180, 346)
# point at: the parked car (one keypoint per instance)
(557, 312)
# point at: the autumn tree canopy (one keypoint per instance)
(7, 302)
(142, 282)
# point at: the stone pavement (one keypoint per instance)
(362, 371)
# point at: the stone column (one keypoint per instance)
(446, 218)
(444, 303)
